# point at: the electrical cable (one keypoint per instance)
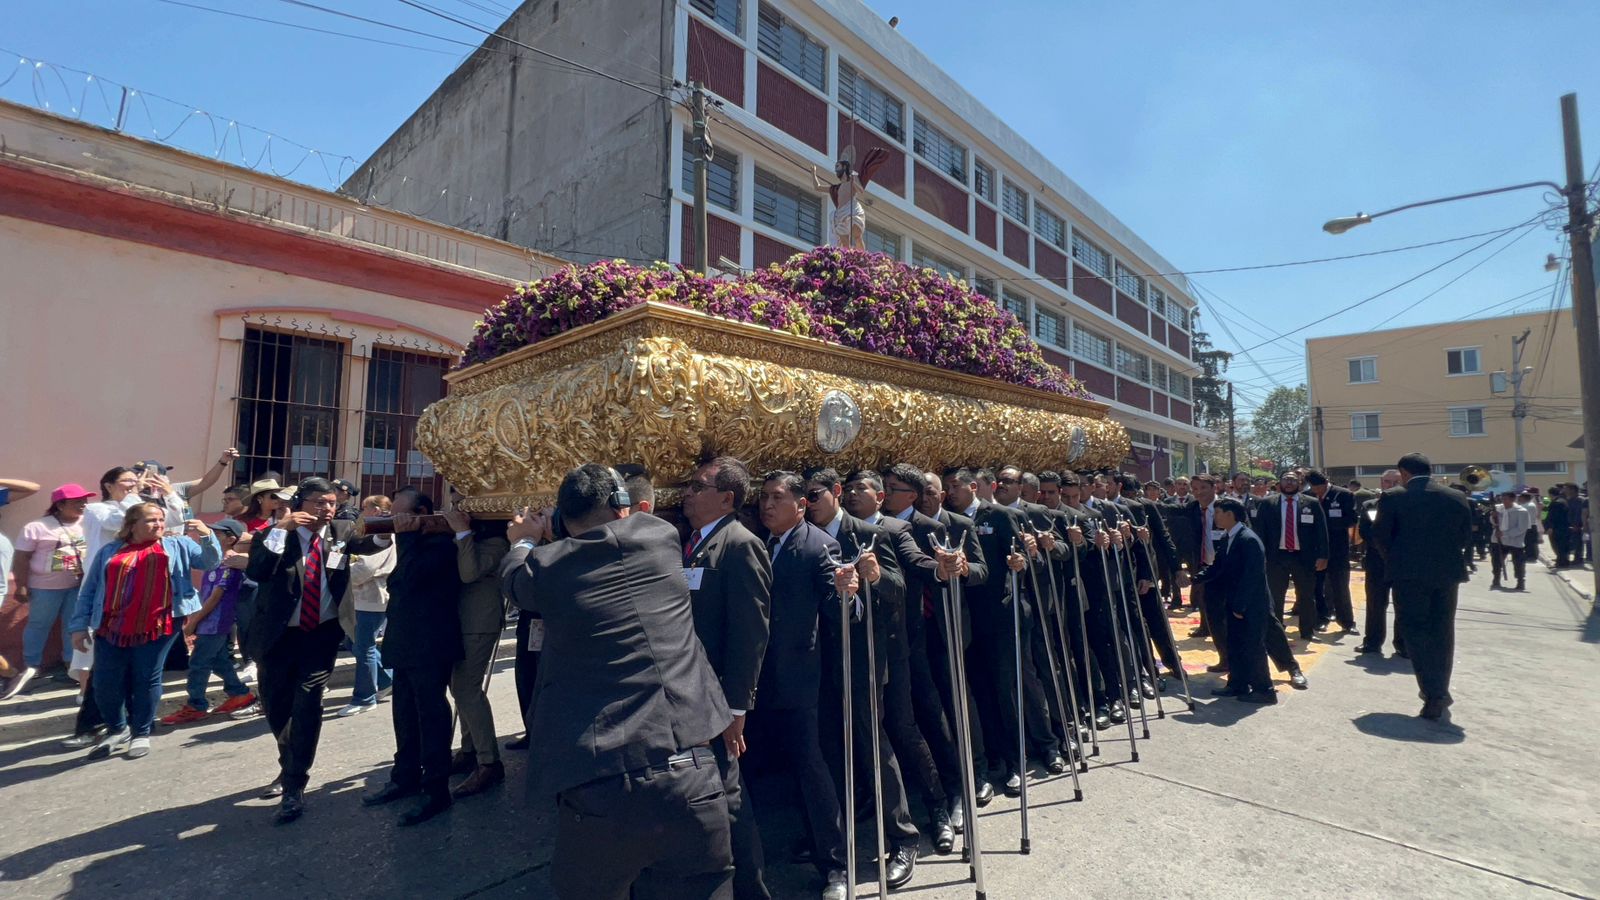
(343, 34)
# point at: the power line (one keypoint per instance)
(343, 34)
(1502, 248)
(493, 33)
(1392, 288)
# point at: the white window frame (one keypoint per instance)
(798, 68)
(1477, 358)
(801, 198)
(1181, 386)
(925, 134)
(718, 156)
(1010, 197)
(1127, 278)
(923, 258)
(1010, 300)
(1091, 255)
(878, 233)
(1372, 431)
(1106, 360)
(1466, 421)
(986, 286)
(1138, 362)
(871, 102)
(983, 178)
(1362, 359)
(1063, 327)
(736, 28)
(1049, 226)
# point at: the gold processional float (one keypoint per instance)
(666, 387)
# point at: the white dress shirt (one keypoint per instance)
(275, 541)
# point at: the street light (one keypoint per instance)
(1580, 220)
(1345, 223)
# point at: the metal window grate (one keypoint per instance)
(1049, 226)
(870, 103)
(1017, 305)
(1049, 327)
(782, 41)
(1134, 365)
(933, 145)
(984, 284)
(983, 180)
(881, 240)
(722, 12)
(1180, 386)
(1014, 202)
(927, 259)
(1089, 346)
(722, 176)
(1129, 283)
(400, 384)
(1093, 258)
(786, 208)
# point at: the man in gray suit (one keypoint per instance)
(627, 703)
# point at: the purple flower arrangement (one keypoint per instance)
(857, 299)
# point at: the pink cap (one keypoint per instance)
(70, 492)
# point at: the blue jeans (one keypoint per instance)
(371, 677)
(133, 673)
(45, 609)
(211, 654)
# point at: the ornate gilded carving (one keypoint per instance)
(660, 386)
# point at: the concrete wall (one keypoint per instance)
(536, 154)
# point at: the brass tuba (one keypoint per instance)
(1475, 477)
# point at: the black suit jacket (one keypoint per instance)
(1311, 537)
(1420, 531)
(280, 576)
(922, 573)
(1339, 507)
(998, 529)
(1371, 560)
(1239, 575)
(730, 606)
(888, 604)
(802, 593)
(624, 682)
(1184, 522)
(424, 614)
(963, 533)
(917, 569)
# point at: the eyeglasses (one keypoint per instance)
(902, 489)
(815, 494)
(699, 486)
(1007, 480)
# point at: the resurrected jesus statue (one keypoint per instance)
(849, 223)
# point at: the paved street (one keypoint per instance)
(1337, 791)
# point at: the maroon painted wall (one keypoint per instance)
(1178, 341)
(1133, 393)
(940, 197)
(770, 251)
(1049, 262)
(722, 238)
(1130, 311)
(1016, 247)
(716, 61)
(1098, 380)
(1092, 288)
(984, 226)
(798, 112)
(1182, 412)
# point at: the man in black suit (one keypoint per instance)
(302, 567)
(1197, 537)
(627, 702)
(972, 569)
(1378, 586)
(879, 568)
(421, 644)
(992, 656)
(1238, 576)
(1420, 531)
(730, 584)
(1339, 509)
(1295, 531)
(806, 589)
(1156, 548)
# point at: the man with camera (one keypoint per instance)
(623, 729)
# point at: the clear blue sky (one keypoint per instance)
(1224, 133)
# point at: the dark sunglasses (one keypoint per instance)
(815, 494)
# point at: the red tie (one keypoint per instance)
(1289, 529)
(694, 541)
(311, 591)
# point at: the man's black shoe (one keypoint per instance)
(1198, 632)
(1228, 692)
(1147, 689)
(1265, 698)
(1365, 649)
(901, 866)
(1013, 786)
(957, 814)
(1297, 680)
(1522, 585)
(273, 790)
(944, 833)
(1350, 630)
(1217, 669)
(291, 807)
(1102, 719)
(1056, 765)
(803, 852)
(389, 793)
(518, 743)
(985, 794)
(1118, 713)
(433, 803)
(462, 763)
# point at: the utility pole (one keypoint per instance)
(1233, 445)
(702, 155)
(1519, 409)
(1322, 459)
(1579, 223)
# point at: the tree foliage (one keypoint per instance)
(1281, 428)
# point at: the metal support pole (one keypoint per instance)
(1069, 715)
(1579, 224)
(955, 651)
(702, 156)
(877, 739)
(1083, 629)
(1116, 640)
(1136, 665)
(1022, 725)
